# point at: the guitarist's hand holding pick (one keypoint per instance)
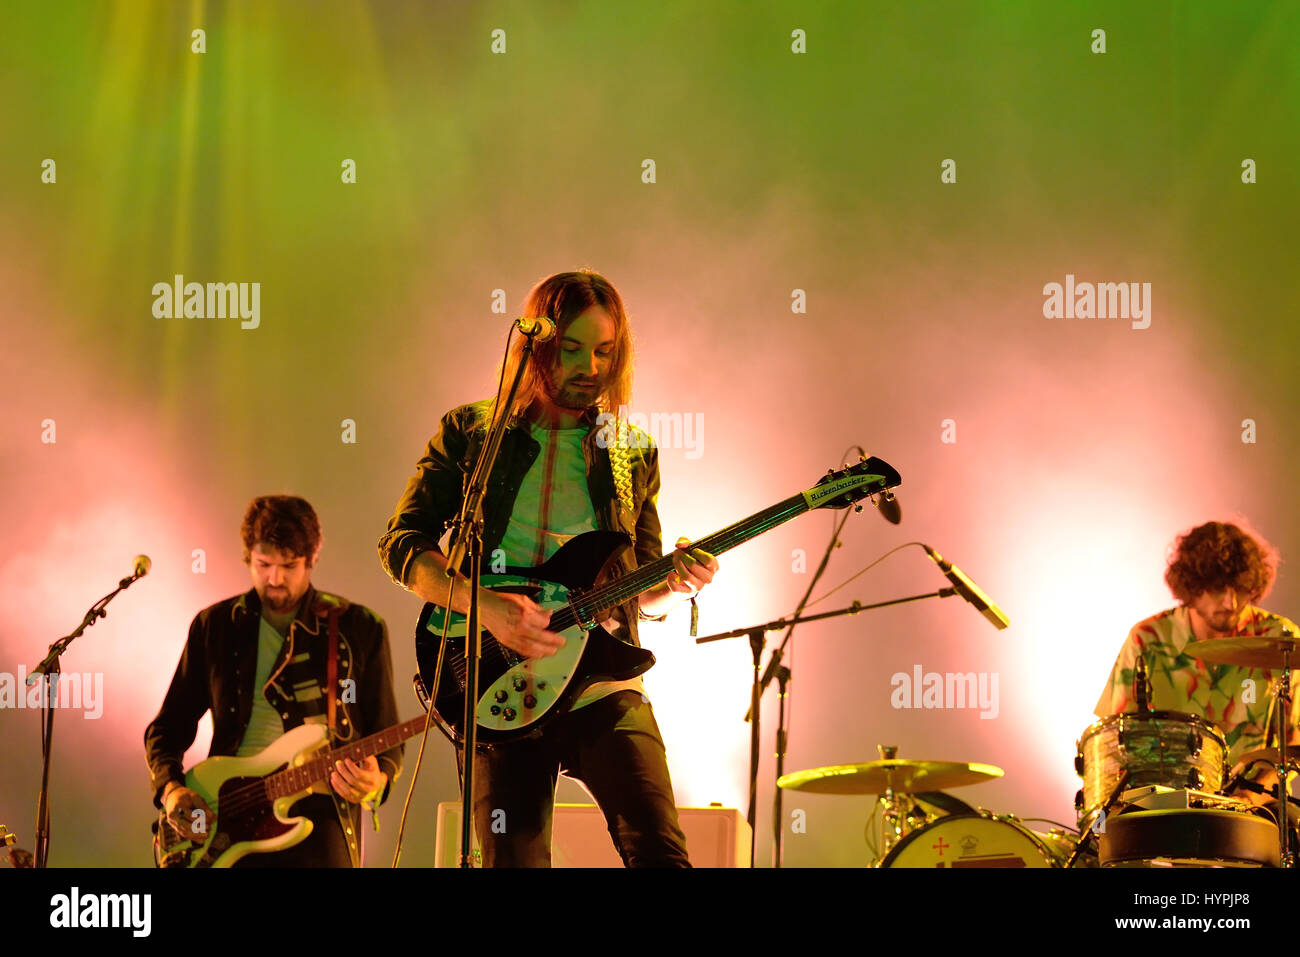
(356, 781)
(518, 623)
(180, 803)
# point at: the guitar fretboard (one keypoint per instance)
(292, 780)
(599, 600)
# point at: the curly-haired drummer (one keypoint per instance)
(1217, 572)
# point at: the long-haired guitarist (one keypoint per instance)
(558, 475)
(262, 662)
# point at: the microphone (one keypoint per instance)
(1142, 683)
(539, 328)
(142, 565)
(969, 590)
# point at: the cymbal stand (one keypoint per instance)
(1283, 770)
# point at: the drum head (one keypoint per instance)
(1137, 718)
(972, 840)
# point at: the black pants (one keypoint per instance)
(612, 746)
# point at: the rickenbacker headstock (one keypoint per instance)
(843, 487)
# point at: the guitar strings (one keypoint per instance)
(248, 796)
(615, 593)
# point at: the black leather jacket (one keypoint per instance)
(217, 669)
(433, 495)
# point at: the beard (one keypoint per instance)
(280, 600)
(1222, 623)
(569, 397)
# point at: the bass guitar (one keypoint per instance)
(516, 696)
(250, 797)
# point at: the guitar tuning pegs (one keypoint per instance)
(858, 507)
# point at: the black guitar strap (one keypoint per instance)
(332, 672)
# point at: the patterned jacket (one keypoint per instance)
(627, 503)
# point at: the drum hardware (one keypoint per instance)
(1269, 652)
(1086, 834)
(1156, 797)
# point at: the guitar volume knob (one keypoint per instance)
(501, 696)
(508, 714)
(530, 701)
(519, 683)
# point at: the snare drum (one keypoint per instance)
(976, 840)
(1156, 747)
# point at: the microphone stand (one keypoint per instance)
(48, 673)
(468, 527)
(775, 667)
(755, 635)
(778, 824)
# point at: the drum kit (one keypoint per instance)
(1157, 792)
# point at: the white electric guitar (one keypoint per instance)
(250, 797)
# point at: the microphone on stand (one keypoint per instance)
(540, 328)
(969, 590)
(1142, 683)
(140, 568)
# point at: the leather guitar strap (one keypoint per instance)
(332, 673)
(331, 696)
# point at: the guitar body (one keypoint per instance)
(517, 696)
(247, 821)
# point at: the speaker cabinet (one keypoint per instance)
(715, 836)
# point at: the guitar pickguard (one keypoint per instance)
(527, 689)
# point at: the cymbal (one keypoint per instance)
(875, 777)
(1250, 651)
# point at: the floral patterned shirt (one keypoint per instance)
(1234, 698)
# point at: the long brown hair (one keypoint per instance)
(563, 297)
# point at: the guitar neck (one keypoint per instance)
(292, 780)
(593, 604)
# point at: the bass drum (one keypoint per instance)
(976, 840)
